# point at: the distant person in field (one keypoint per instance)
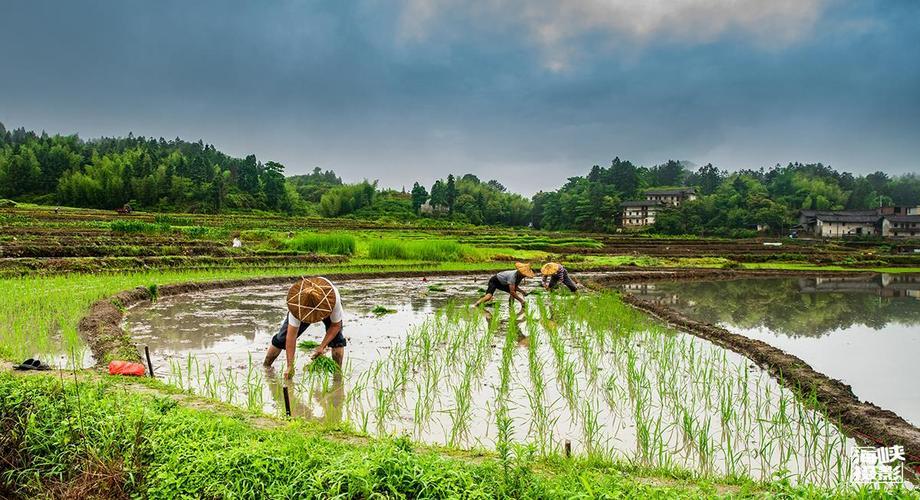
(310, 300)
(553, 273)
(508, 282)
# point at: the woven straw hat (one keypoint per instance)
(311, 299)
(549, 268)
(524, 269)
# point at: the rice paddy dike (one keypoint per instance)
(453, 402)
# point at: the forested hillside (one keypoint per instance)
(177, 175)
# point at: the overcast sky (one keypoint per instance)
(528, 92)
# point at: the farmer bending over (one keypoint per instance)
(553, 273)
(310, 300)
(508, 281)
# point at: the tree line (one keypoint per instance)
(177, 175)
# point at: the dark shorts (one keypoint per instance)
(566, 280)
(281, 337)
(494, 284)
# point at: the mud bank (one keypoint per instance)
(836, 399)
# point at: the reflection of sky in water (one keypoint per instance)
(863, 331)
(231, 329)
(216, 321)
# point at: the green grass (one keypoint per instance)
(96, 439)
(329, 243)
(426, 250)
(135, 226)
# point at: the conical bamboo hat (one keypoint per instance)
(549, 268)
(311, 299)
(524, 269)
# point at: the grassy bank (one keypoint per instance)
(95, 439)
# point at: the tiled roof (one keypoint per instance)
(640, 203)
(670, 192)
(903, 218)
(867, 219)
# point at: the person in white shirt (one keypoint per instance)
(509, 282)
(310, 300)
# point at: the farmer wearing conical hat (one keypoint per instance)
(553, 273)
(508, 281)
(310, 300)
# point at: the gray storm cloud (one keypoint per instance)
(553, 25)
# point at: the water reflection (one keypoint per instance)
(796, 307)
(319, 400)
(861, 330)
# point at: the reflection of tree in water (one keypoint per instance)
(791, 307)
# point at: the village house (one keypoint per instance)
(639, 213)
(884, 222)
(671, 197)
(904, 226)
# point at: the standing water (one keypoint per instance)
(860, 330)
(583, 369)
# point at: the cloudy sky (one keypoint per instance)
(525, 91)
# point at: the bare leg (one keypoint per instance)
(338, 355)
(485, 298)
(270, 355)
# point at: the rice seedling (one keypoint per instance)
(329, 243)
(382, 311)
(307, 345)
(323, 365)
(424, 250)
(623, 386)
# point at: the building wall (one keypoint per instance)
(904, 229)
(638, 217)
(674, 200)
(840, 229)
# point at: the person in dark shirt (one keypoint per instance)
(553, 273)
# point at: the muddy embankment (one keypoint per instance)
(101, 329)
(863, 420)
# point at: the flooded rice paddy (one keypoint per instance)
(864, 331)
(584, 369)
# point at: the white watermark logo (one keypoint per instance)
(878, 466)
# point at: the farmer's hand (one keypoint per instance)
(289, 373)
(317, 352)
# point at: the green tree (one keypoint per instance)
(273, 184)
(20, 173)
(438, 194)
(450, 193)
(419, 196)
